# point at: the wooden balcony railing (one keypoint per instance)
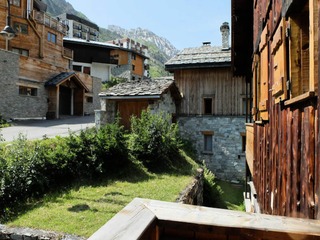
(150, 219)
(68, 53)
(49, 21)
(250, 145)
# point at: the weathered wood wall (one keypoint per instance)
(227, 91)
(284, 167)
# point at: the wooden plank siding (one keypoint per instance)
(227, 91)
(284, 175)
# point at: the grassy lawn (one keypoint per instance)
(231, 196)
(83, 209)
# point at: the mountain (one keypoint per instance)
(160, 49)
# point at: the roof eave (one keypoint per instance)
(129, 97)
(172, 67)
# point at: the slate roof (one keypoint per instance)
(200, 57)
(135, 89)
(61, 77)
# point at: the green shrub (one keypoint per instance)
(154, 140)
(211, 190)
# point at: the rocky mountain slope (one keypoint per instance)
(160, 49)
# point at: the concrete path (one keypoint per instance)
(37, 129)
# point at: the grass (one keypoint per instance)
(231, 196)
(84, 208)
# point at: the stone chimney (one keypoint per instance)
(225, 32)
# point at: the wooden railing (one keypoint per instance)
(156, 220)
(68, 53)
(250, 145)
(47, 20)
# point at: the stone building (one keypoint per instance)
(213, 107)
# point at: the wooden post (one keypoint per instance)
(72, 101)
(58, 101)
(317, 157)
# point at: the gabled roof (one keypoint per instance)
(200, 57)
(141, 89)
(62, 77)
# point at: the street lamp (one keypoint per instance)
(8, 33)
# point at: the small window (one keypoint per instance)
(20, 51)
(133, 67)
(77, 68)
(28, 91)
(87, 70)
(208, 106)
(20, 27)
(52, 37)
(207, 141)
(133, 56)
(89, 99)
(15, 3)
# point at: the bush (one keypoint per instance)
(211, 190)
(154, 140)
(29, 169)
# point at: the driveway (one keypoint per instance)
(37, 129)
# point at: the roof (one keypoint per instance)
(62, 77)
(138, 89)
(82, 20)
(90, 43)
(200, 57)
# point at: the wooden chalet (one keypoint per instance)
(283, 144)
(35, 56)
(132, 97)
(212, 110)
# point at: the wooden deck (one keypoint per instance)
(156, 220)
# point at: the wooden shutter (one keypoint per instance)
(278, 50)
(264, 76)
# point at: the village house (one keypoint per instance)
(213, 106)
(36, 78)
(132, 97)
(132, 59)
(283, 141)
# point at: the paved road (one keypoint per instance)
(37, 129)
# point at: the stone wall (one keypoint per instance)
(193, 194)
(227, 160)
(8, 233)
(13, 105)
(166, 104)
(96, 89)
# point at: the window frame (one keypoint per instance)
(27, 91)
(207, 140)
(20, 51)
(21, 28)
(50, 39)
(16, 3)
(205, 105)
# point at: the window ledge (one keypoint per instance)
(300, 98)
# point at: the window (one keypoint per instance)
(87, 70)
(28, 91)
(89, 99)
(208, 104)
(207, 141)
(133, 67)
(299, 43)
(20, 51)
(20, 27)
(77, 68)
(52, 37)
(15, 2)
(133, 56)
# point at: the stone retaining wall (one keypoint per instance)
(8, 233)
(193, 194)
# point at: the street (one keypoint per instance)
(37, 129)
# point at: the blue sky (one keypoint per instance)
(185, 23)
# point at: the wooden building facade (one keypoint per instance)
(282, 150)
(42, 57)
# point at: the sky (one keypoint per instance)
(185, 23)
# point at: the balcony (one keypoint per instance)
(45, 19)
(151, 219)
(67, 53)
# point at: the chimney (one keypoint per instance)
(225, 31)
